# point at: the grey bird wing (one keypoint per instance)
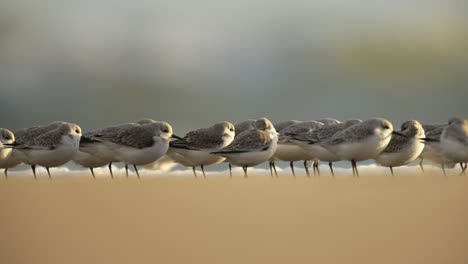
(132, 135)
(280, 126)
(198, 140)
(26, 135)
(49, 140)
(434, 133)
(351, 135)
(295, 130)
(248, 141)
(432, 127)
(396, 144)
(109, 131)
(322, 133)
(298, 132)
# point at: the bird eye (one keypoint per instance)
(77, 131)
(165, 130)
(385, 127)
(231, 129)
(7, 138)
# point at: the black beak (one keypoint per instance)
(399, 134)
(176, 137)
(12, 145)
(429, 140)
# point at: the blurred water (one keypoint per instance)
(193, 63)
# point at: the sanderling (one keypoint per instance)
(361, 141)
(95, 153)
(251, 147)
(137, 144)
(310, 143)
(6, 161)
(288, 151)
(52, 148)
(403, 150)
(454, 141)
(196, 147)
(432, 151)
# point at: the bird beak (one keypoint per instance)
(176, 137)
(399, 134)
(429, 140)
(12, 145)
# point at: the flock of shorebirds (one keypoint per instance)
(245, 144)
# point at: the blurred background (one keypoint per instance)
(193, 63)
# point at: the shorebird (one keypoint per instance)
(403, 150)
(454, 141)
(361, 141)
(6, 160)
(195, 148)
(289, 151)
(49, 146)
(137, 144)
(251, 147)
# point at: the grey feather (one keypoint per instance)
(26, 135)
(131, 135)
(280, 126)
(396, 144)
(200, 139)
(248, 141)
(352, 134)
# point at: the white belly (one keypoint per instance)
(289, 152)
(317, 152)
(359, 151)
(100, 150)
(252, 158)
(7, 160)
(88, 161)
(454, 150)
(402, 157)
(192, 158)
(50, 158)
(4, 154)
(135, 156)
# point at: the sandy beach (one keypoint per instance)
(372, 219)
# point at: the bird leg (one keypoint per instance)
(245, 171)
(306, 167)
(194, 171)
(110, 170)
(316, 165)
(136, 170)
(330, 164)
(33, 168)
(48, 172)
(203, 170)
(291, 164)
